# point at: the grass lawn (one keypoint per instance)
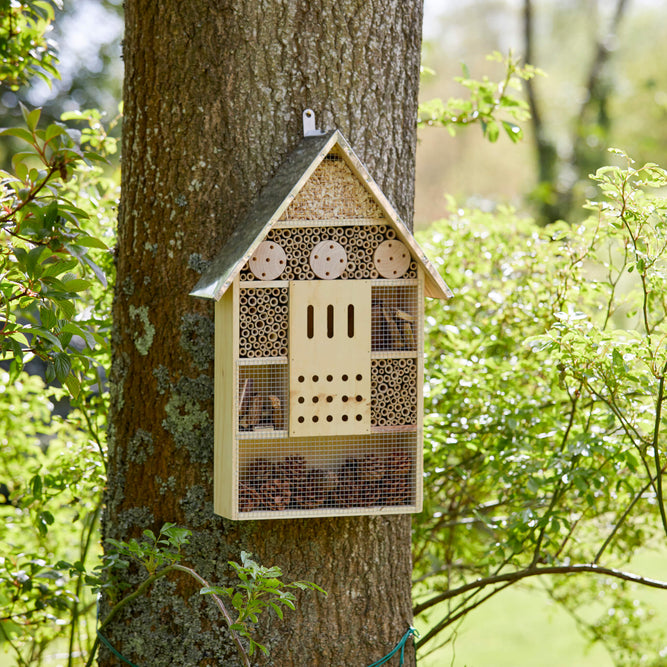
(521, 627)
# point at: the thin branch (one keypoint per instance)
(656, 449)
(448, 620)
(519, 575)
(621, 521)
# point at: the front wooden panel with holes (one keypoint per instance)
(330, 358)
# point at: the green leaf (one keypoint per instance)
(62, 366)
(513, 131)
(31, 117)
(492, 131)
(19, 132)
(77, 285)
(91, 242)
(73, 385)
(52, 131)
(47, 317)
(36, 486)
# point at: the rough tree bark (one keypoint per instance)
(214, 93)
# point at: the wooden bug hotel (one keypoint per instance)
(319, 346)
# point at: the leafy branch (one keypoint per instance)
(260, 589)
(487, 101)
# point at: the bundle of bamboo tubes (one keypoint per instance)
(394, 391)
(263, 319)
(359, 242)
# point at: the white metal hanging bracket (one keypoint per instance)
(309, 129)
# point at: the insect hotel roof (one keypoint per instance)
(277, 196)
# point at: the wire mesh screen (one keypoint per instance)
(394, 316)
(262, 401)
(327, 473)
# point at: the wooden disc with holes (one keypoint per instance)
(268, 261)
(328, 259)
(392, 259)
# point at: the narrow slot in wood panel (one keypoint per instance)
(329, 370)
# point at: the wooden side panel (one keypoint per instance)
(329, 358)
(419, 453)
(225, 461)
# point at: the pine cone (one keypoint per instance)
(372, 468)
(249, 499)
(259, 471)
(395, 490)
(293, 469)
(398, 463)
(276, 494)
(350, 490)
(314, 490)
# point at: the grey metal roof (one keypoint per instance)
(279, 194)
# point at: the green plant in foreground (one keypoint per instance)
(260, 589)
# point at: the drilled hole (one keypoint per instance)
(359, 418)
(301, 420)
(315, 399)
(344, 418)
(329, 399)
(302, 399)
(329, 418)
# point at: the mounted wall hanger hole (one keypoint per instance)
(309, 127)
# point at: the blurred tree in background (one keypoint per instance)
(603, 88)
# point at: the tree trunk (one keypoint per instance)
(214, 93)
